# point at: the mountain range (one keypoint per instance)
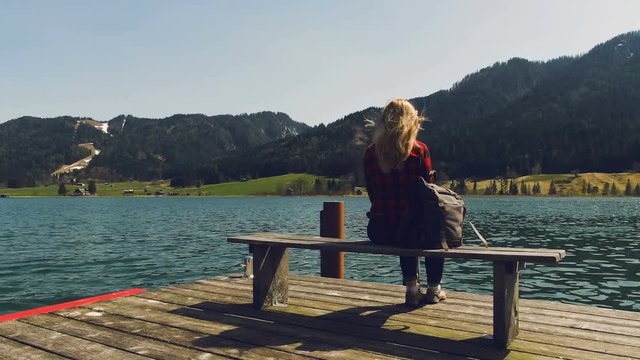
(31, 148)
(570, 114)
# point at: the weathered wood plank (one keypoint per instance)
(250, 333)
(407, 334)
(368, 247)
(474, 307)
(127, 341)
(326, 319)
(443, 340)
(373, 309)
(471, 308)
(271, 273)
(459, 312)
(272, 235)
(177, 330)
(61, 344)
(13, 350)
(344, 346)
(529, 304)
(542, 333)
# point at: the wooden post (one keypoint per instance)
(270, 276)
(332, 225)
(505, 302)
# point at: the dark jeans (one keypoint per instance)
(385, 235)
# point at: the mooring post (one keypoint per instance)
(332, 225)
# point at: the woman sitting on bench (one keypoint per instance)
(392, 167)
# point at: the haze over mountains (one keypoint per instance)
(577, 113)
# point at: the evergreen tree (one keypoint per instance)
(605, 189)
(584, 187)
(523, 188)
(595, 189)
(331, 185)
(552, 188)
(487, 190)
(513, 188)
(475, 187)
(317, 186)
(503, 185)
(92, 187)
(627, 189)
(614, 189)
(636, 192)
(588, 188)
(491, 189)
(535, 190)
(62, 190)
(462, 187)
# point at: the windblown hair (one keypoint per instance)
(396, 132)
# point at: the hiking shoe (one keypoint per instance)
(414, 300)
(434, 296)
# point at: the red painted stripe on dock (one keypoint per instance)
(67, 305)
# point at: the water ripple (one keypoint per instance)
(60, 249)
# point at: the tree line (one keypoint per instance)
(503, 186)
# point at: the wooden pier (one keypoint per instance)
(325, 319)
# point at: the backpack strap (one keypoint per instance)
(443, 239)
(484, 241)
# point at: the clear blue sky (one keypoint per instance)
(314, 60)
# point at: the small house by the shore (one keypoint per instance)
(80, 192)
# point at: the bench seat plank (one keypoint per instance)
(476, 247)
(365, 246)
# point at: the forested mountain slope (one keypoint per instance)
(514, 118)
(578, 114)
(32, 148)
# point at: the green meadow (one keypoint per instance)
(566, 184)
(307, 184)
(289, 184)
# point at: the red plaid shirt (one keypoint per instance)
(393, 194)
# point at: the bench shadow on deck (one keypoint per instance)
(325, 319)
(394, 340)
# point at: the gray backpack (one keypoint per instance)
(443, 214)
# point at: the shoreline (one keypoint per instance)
(296, 196)
(177, 197)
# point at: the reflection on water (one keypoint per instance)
(56, 250)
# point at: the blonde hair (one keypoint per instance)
(396, 132)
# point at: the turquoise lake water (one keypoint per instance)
(60, 249)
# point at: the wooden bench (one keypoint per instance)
(271, 267)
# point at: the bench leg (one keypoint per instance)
(270, 276)
(505, 302)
